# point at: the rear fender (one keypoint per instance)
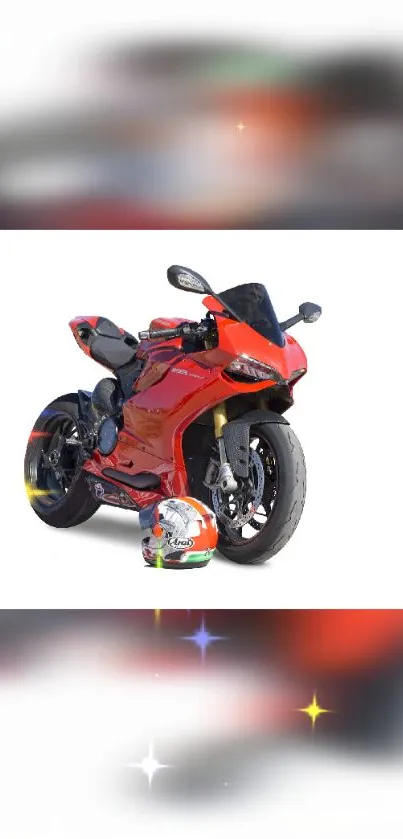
(236, 438)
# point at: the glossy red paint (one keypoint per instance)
(175, 388)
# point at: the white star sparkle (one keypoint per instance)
(149, 765)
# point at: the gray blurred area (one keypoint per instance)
(352, 658)
(210, 134)
(112, 724)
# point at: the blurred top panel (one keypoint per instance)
(209, 135)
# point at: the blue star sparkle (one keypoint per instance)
(202, 638)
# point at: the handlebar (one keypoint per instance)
(152, 334)
(196, 329)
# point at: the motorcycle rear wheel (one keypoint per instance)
(55, 484)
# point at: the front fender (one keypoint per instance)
(236, 438)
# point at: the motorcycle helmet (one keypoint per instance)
(183, 534)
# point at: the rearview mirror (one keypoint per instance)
(187, 280)
(310, 312)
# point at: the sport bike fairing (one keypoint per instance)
(176, 387)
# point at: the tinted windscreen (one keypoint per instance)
(252, 304)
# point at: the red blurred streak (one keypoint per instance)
(167, 661)
(112, 215)
(318, 641)
(266, 711)
(340, 639)
(35, 434)
(290, 107)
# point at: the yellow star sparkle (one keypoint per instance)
(241, 127)
(314, 710)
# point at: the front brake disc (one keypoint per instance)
(220, 500)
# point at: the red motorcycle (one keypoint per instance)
(193, 409)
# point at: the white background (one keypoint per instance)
(346, 551)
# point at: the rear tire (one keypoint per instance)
(289, 501)
(70, 502)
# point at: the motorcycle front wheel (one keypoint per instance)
(258, 520)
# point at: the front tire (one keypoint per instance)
(56, 486)
(278, 443)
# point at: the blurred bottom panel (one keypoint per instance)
(114, 724)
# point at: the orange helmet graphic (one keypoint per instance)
(183, 534)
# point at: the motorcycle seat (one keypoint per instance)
(111, 346)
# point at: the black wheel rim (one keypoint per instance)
(54, 460)
(243, 500)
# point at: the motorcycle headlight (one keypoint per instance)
(251, 368)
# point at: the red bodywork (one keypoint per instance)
(174, 389)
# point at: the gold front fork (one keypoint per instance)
(225, 478)
(220, 419)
